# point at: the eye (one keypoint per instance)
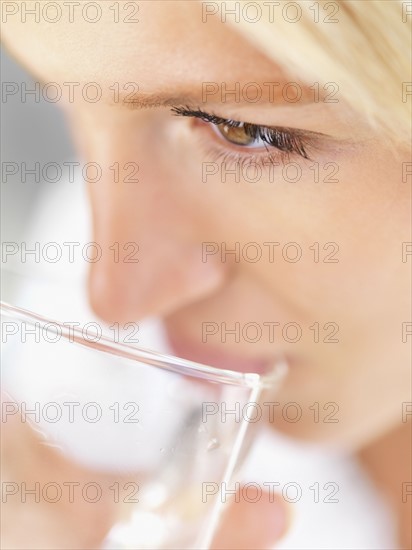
(238, 135)
(249, 136)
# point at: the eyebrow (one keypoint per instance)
(152, 101)
(136, 100)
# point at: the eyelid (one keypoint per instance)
(213, 119)
(234, 158)
(286, 142)
(191, 112)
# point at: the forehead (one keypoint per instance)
(161, 45)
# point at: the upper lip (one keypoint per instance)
(207, 355)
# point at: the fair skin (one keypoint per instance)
(171, 212)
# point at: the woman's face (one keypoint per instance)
(249, 253)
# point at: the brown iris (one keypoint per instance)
(235, 134)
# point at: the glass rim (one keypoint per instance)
(153, 358)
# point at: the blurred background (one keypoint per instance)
(30, 132)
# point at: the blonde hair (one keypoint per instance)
(366, 51)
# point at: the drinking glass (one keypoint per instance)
(172, 431)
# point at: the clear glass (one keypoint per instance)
(170, 431)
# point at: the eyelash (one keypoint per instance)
(285, 141)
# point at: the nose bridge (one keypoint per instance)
(135, 203)
(151, 259)
(137, 190)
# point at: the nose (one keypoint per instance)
(151, 275)
(148, 232)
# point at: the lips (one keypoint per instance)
(206, 355)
